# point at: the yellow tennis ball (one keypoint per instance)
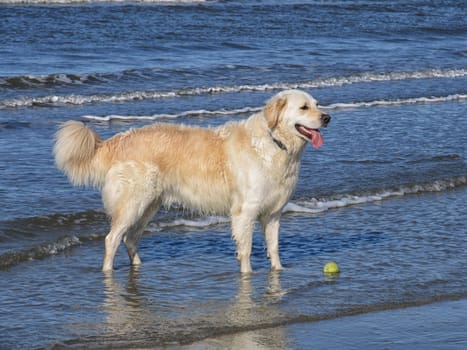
(331, 268)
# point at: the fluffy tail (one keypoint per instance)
(75, 149)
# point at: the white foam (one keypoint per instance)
(201, 112)
(116, 117)
(378, 77)
(238, 111)
(23, 102)
(397, 102)
(337, 81)
(317, 206)
(297, 208)
(61, 245)
(194, 223)
(149, 95)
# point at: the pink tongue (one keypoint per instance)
(317, 139)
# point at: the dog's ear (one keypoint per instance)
(273, 110)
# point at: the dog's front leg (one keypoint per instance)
(242, 231)
(270, 225)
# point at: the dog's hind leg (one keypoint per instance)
(131, 197)
(112, 241)
(132, 237)
(128, 224)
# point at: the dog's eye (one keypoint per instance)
(304, 107)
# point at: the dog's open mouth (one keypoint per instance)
(312, 135)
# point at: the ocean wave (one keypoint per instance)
(314, 206)
(58, 220)
(59, 79)
(38, 252)
(56, 100)
(194, 113)
(29, 81)
(397, 102)
(202, 222)
(240, 111)
(73, 99)
(439, 158)
(45, 235)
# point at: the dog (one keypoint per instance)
(246, 169)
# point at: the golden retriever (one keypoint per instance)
(246, 169)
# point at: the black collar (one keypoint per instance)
(278, 143)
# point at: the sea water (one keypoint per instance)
(384, 197)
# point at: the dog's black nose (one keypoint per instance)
(325, 118)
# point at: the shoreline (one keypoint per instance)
(434, 325)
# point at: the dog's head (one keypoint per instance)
(296, 113)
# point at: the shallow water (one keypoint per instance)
(384, 197)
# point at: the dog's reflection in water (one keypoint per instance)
(134, 316)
